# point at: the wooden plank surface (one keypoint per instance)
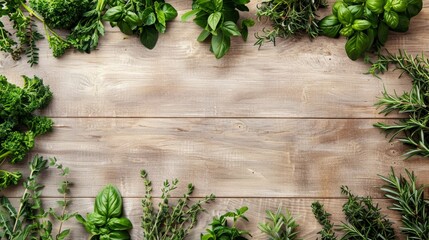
(282, 125)
(229, 157)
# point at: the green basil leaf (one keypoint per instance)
(203, 36)
(230, 29)
(330, 26)
(399, 5)
(149, 37)
(160, 16)
(403, 25)
(383, 33)
(160, 28)
(347, 31)
(96, 219)
(356, 10)
(361, 25)
(148, 17)
(372, 33)
(245, 24)
(220, 44)
(201, 19)
(114, 14)
(125, 27)
(391, 18)
(376, 6)
(189, 14)
(345, 15)
(214, 19)
(108, 202)
(371, 17)
(357, 45)
(218, 5)
(119, 235)
(170, 12)
(337, 5)
(118, 224)
(414, 7)
(241, 2)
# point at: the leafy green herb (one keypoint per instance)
(366, 24)
(169, 222)
(280, 226)
(219, 20)
(410, 202)
(61, 14)
(221, 230)
(106, 222)
(18, 125)
(85, 35)
(31, 220)
(327, 232)
(143, 18)
(26, 35)
(289, 18)
(412, 131)
(364, 219)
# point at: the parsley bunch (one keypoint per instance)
(18, 125)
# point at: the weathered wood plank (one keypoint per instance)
(229, 157)
(300, 208)
(181, 78)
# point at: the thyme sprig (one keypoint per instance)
(288, 18)
(169, 222)
(413, 130)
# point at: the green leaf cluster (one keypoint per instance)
(219, 20)
(18, 125)
(22, 38)
(410, 202)
(363, 219)
(31, 220)
(289, 18)
(61, 14)
(146, 19)
(280, 226)
(221, 230)
(169, 222)
(366, 23)
(106, 222)
(412, 130)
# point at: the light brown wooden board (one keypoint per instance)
(301, 209)
(229, 157)
(285, 124)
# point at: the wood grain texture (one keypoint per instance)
(283, 125)
(229, 157)
(181, 78)
(301, 209)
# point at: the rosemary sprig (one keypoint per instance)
(288, 18)
(409, 201)
(412, 131)
(327, 232)
(280, 226)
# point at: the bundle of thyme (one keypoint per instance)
(414, 129)
(31, 220)
(288, 18)
(169, 222)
